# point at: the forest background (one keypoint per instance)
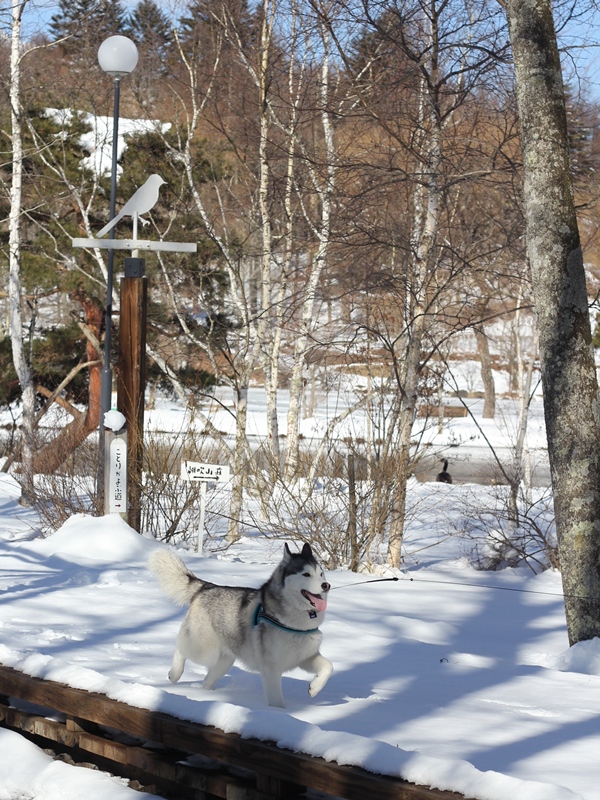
(353, 176)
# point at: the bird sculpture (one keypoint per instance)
(139, 203)
(444, 476)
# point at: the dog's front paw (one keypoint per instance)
(324, 670)
(175, 673)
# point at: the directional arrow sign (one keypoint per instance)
(195, 471)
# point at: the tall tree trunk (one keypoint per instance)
(55, 453)
(14, 286)
(325, 191)
(522, 470)
(425, 227)
(487, 376)
(571, 401)
(268, 330)
(236, 503)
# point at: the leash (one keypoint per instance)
(260, 615)
(463, 584)
(560, 595)
(360, 583)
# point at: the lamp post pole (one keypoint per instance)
(118, 57)
(106, 390)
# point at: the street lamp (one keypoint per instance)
(118, 57)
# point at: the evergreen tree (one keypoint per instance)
(53, 148)
(201, 16)
(377, 58)
(72, 17)
(189, 24)
(199, 280)
(150, 29)
(114, 19)
(52, 215)
(54, 352)
(86, 23)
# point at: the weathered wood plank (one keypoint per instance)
(351, 783)
(139, 762)
(38, 726)
(153, 765)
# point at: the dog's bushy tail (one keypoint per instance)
(175, 579)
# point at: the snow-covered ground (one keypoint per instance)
(451, 677)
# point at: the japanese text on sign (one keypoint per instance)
(117, 486)
(195, 471)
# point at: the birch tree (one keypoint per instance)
(571, 401)
(20, 361)
(192, 108)
(324, 188)
(261, 206)
(425, 65)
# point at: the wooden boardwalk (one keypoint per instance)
(150, 746)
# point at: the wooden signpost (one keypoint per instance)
(205, 473)
(131, 379)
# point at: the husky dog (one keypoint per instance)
(272, 629)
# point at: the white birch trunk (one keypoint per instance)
(14, 291)
(247, 352)
(424, 243)
(266, 331)
(307, 315)
(522, 461)
(272, 379)
(242, 454)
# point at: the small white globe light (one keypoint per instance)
(117, 56)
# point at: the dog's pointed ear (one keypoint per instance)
(306, 551)
(287, 553)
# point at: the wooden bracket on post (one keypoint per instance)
(131, 376)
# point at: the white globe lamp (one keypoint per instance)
(117, 56)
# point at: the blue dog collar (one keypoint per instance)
(261, 615)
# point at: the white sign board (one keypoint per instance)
(136, 244)
(195, 471)
(117, 480)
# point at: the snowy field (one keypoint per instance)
(450, 677)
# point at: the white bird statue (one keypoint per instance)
(139, 203)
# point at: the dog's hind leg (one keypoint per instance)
(177, 667)
(322, 668)
(222, 665)
(271, 680)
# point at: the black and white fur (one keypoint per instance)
(220, 626)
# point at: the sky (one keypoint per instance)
(580, 43)
(580, 39)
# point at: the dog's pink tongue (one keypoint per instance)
(320, 602)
